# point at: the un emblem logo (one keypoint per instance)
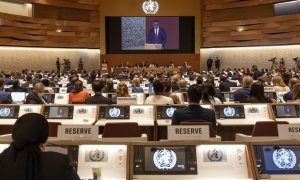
(150, 7)
(96, 155)
(284, 158)
(82, 111)
(215, 155)
(170, 111)
(229, 112)
(4, 112)
(114, 112)
(165, 159)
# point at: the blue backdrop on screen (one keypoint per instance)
(128, 35)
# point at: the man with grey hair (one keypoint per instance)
(241, 95)
(182, 86)
(36, 96)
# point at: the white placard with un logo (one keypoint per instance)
(194, 132)
(61, 98)
(289, 131)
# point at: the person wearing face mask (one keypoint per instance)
(36, 96)
(26, 159)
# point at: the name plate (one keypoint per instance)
(77, 132)
(269, 89)
(188, 132)
(61, 98)
(233, 89)
(289, 131)
(127, 100)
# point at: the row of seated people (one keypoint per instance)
(249, 92)
(30, 137)
(196, 112)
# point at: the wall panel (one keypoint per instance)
(26, 31)
(228, 4)
(61, 13)
(228, 23)
(76, 4)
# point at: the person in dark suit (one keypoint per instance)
(194, 112)
(218, 64)
(243, 94)
(36, 96)
(7, 78)
(5, 97)
(26, 159)
(218, 92)
(16, 87)
(209, 64)
(225, 84)
(58, 65)
(109, 88)
(157, 35)
(174, 83)
(98, 98)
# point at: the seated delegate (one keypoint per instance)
(194, 112)
(26, 159)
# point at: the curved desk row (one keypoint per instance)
(154, 119)
(198, 160)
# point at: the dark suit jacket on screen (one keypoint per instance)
(194, 113)
(161, 38)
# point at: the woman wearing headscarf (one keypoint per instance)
(25, 158)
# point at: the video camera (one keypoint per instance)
(273, 59)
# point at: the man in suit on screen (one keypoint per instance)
(157, 35)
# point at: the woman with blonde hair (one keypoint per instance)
(279, 84)
(136, 85)
(78, 95)
(122, 90)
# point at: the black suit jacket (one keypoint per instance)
(288, 96)
(194, 113)
(174, 86)
(225, 85)
(98, 99)
(209, 62)
(161, 38)
(54, 166)
(33, 98)
(218, 94)
(58, 166)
